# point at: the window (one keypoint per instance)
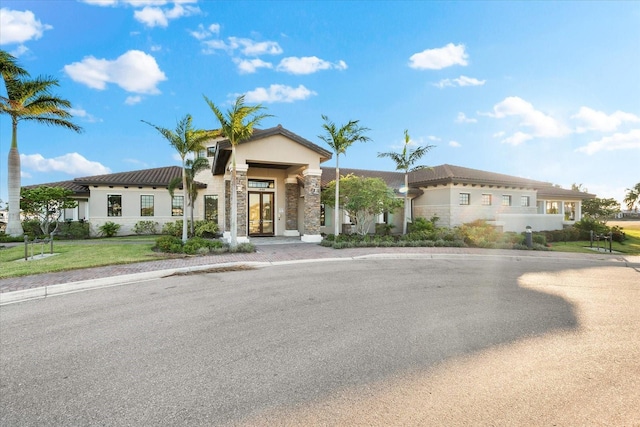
(322, 215)
(211, 151)
(524, 201)
(552, 207)
(486, 199)
(465, 198)
(261, 183)
(211, 208)
(146, 205)
(506, 200)
(177, 205)
(114, 205)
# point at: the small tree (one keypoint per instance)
(339, 139)
(405, 161)
(46, 204)
(600, 209)
(192, 168)
(185, 139)
(363, 199)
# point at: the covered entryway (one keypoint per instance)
(261, 214)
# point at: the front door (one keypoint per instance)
(261, 214)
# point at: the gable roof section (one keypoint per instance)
(156, 177)
(79, 190)
(446, 174)
(223, 152)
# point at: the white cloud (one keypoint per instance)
(279, 93)
(460, 81)
(153, 16)
(70, 163)
(253, 48)
(617, 141)
(433, 138)
(498, 134)
(247, 47)
(202, 33)
(454, 144)
(133, 100)
(517, 138)
(20, 27)
(462, 118)
(600, 121)
(100, 2)
(540, 124)
(308, 65)
(439, 58)
(79, 112)
(134, 71)
(249, 66)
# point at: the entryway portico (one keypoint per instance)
(278, 180)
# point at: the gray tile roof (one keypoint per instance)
(78, 189)
(445, 174)
(147, 177)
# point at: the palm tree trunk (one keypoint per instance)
(234, 199)
(14, 225)
(337, 205)
(406, 199)
(184, 204)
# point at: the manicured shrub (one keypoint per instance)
(109, 229)
(420, 224)
(197, 245)
(168, 244)
(146, 227)
(207, 229)
(173, 228)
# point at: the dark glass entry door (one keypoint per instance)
(261, 214)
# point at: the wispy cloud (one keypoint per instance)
(79, 112)
(615, 142)
(308, 65)
(133, 100)
(20, 26)
(439, 58)
(249, 66)
(71, 164)
(460, 81)
(592, 120)
(462, 118)
(455, 144)
(134, 71)
(279, 93)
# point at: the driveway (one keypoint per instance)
(446, 341)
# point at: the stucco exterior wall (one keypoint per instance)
(277, 149)
(130, 208)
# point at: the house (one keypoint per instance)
(279, 180)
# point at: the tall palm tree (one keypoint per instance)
(339, 139)
(192, 168)
(237, 125)
(28, 100)
(404, 162)
(185, 139)
(632, 197)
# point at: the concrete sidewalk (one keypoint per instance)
(268, 252)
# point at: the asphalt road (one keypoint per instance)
(460, 341)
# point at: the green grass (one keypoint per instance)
(73, 255)
(631, 246)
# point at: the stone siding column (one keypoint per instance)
(292, 190)
(241, 179)
(312, 205)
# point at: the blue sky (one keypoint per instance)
(543, 90)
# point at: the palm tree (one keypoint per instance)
(237, 126)
(192, 168)
(404, 162)
(28, 100)
(339, 139)
(632, 197)
(185, 139)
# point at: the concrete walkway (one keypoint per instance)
(269, 251)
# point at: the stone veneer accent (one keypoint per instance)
(241, 185)
(312, 202)
(291, 203)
